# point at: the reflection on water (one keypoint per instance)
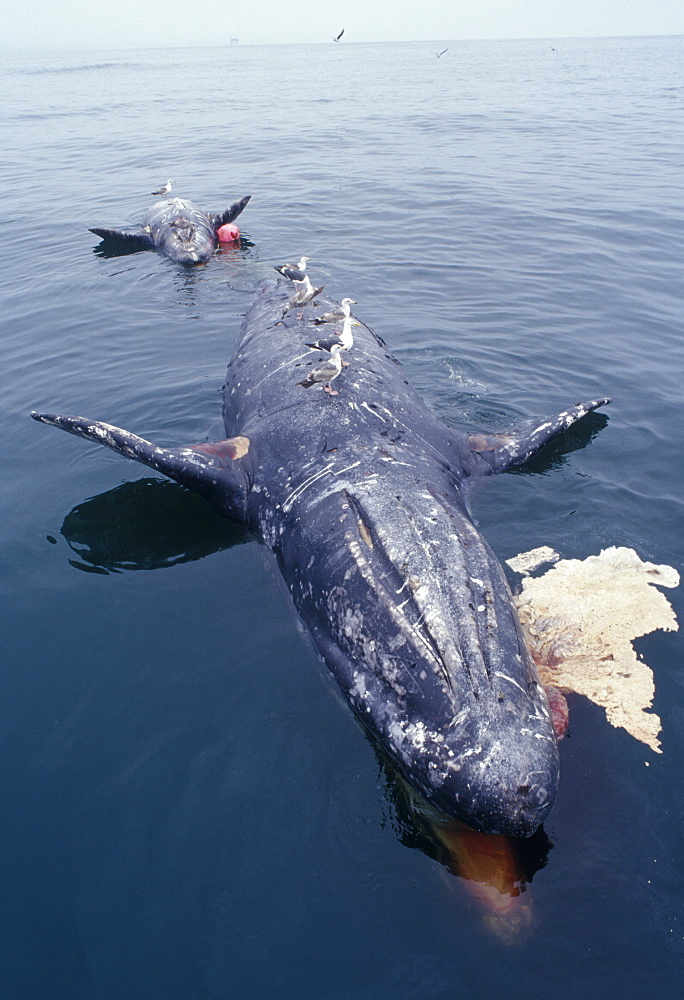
(112, 247)
(116, 248)
(235, 250)
(146, 524)
(231, 256)
(494, 870)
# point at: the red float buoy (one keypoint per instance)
(228, 233)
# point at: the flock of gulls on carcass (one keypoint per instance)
(333, 345)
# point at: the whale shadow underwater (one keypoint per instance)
(178, 228)
(361, 496)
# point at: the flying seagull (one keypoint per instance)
(440, 54)
(339, 36)
(165, 189)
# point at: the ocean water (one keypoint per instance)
(189, 809)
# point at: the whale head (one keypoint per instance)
(181, 230)
(413, 613)
(187, 242)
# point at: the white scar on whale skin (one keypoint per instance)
(372, 411)
(579, 619)
(299, 490)
(274, 371)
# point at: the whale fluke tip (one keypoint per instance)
(595, 403)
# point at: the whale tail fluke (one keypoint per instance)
(212, 469)
(498, 452)
(230, 214)
(134, 237)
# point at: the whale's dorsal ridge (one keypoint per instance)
(497, 452)
(210, 468)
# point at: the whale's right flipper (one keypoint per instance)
(230, 214)
(134, 237)
(497, 452)
(214, 469)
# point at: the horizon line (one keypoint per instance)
(41, 47)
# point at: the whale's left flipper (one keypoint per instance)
(230, 214)
(498, 452)
(213, 469)
(134, 237)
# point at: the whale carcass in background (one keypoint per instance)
(179, 229)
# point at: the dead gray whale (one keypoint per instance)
(361, 497)
(178, 228)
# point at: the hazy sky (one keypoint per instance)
(125, 23)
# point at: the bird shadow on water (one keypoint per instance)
(154, 524)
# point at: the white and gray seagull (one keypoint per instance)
(165, 189)
(344, 340)
(335, 315)
(296, 273)
(326, 372)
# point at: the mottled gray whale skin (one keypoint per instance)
(178, 228)
(361, 498)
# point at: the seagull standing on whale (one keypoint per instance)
(165, 188)
(326, 372)
(296, 273)
(335, 314)
(344, 340)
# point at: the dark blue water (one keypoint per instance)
(189, 810)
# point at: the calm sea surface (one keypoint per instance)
(189, 809)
